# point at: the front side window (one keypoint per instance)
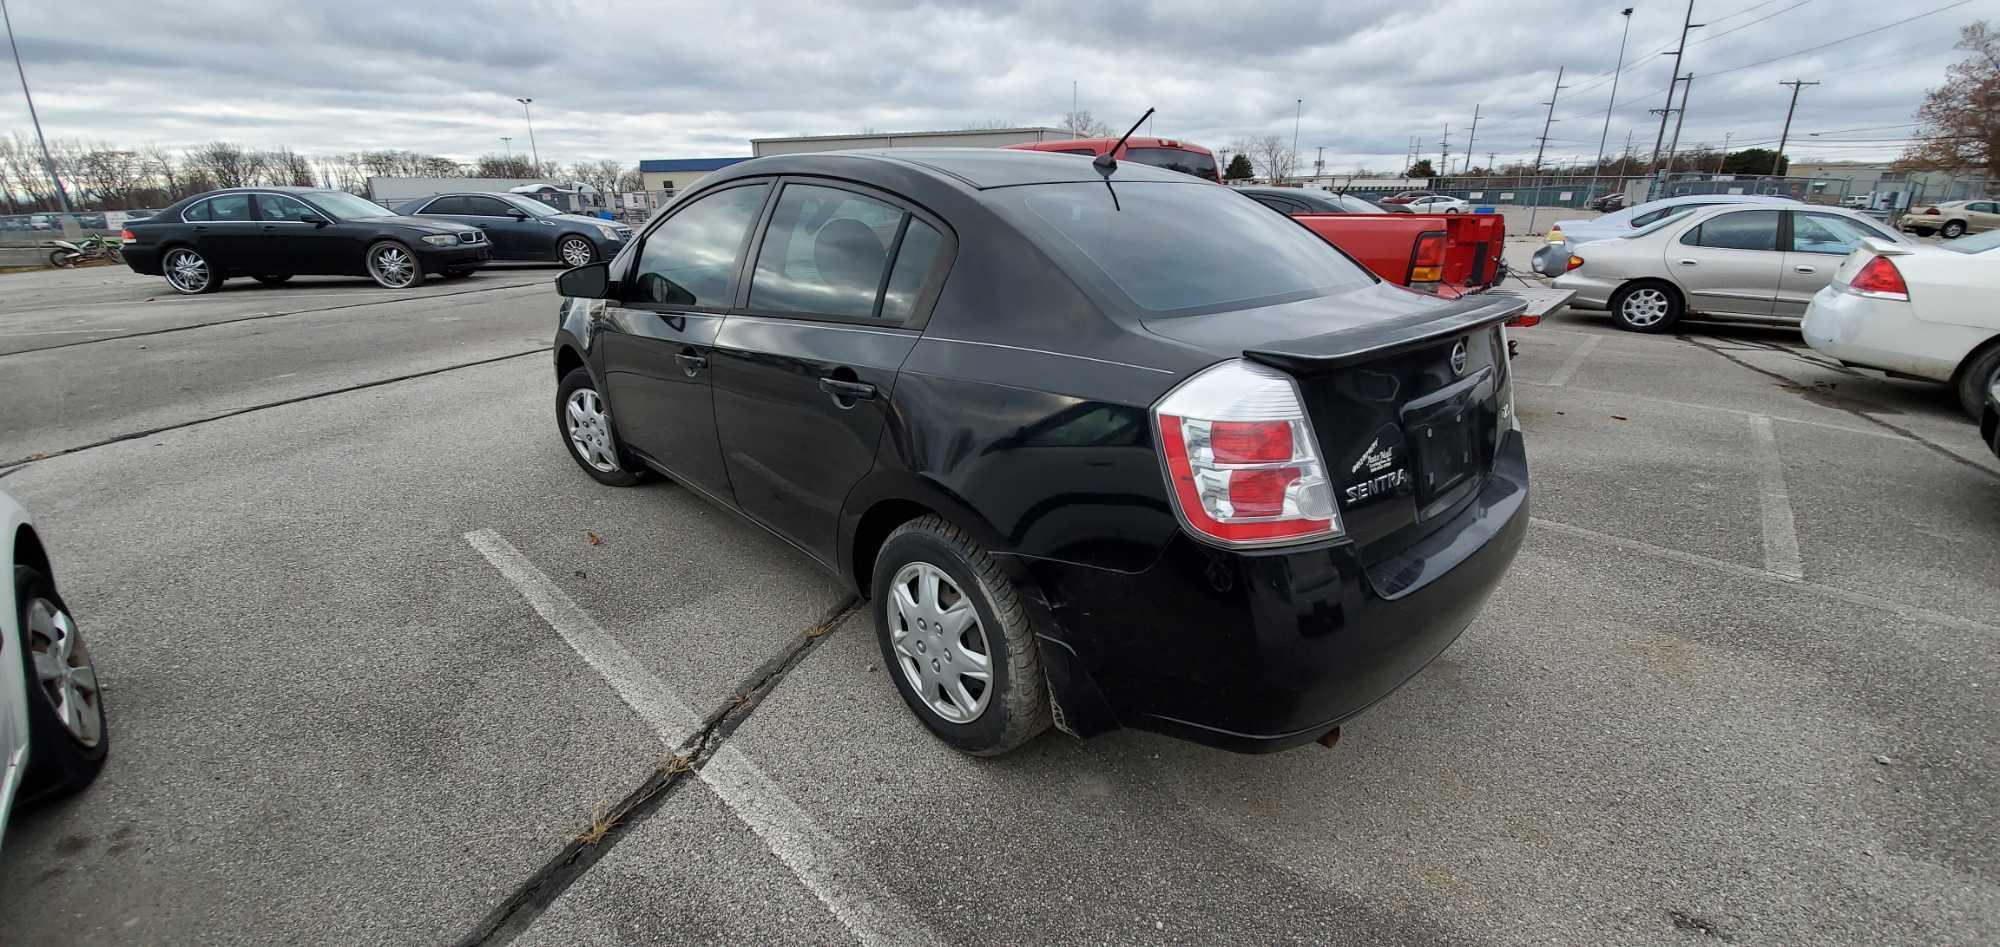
(1175, 159)
(1742, 230)
(1826, 233)
(277, 207)
(1984, 207)
(484, 207)
(824, 253)
(690, 258)
(446, 207)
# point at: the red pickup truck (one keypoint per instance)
(1446, 254)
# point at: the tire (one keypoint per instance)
(595, 446)
(574, 251)
(61, 759)
(188, 272)
(278, 280)
(61, 259)
(394, 266)
(1953, 230)
(1976, 376)
(1646, 306)
(1012, 706)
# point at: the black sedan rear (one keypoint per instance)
(1103, 446)
(273, 234)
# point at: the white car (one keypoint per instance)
(1917, 311)
(1566, 235)
(1439, 204)
(52, 736)
(1739, 262)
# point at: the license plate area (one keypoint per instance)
(1446, 431)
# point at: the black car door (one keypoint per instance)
(293, 238)
(656, 341)
(515, 235)
(841, 278)
(225, 233)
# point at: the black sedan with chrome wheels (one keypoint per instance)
(1105, 445)
(272, 234)
(524, 229)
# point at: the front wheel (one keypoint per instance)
(68, 740)
(584, 418)
(393, 266)
(956, 639)
(575, 251)
(1646, 307)
(1953, 230)
(62, 259)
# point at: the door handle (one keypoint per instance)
(846, 392)
(1802, 268)
(691, 362)
(1690, 262)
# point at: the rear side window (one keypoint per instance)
(1653, 215)
(1182, 248)
(1826, 233)
(690, 258)
(825, 253)
(226, 207)
(1174, 159)
(1743, 230)
(919, 252)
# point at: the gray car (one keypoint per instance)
(1566, 235)
(525, 229)
(1754, 264)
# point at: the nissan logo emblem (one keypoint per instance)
(1458, 358)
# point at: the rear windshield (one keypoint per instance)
(1181, 249)
(1174, 159)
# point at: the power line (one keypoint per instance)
(1813, 49)
(1716, 36)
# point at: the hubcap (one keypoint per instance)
(575, 252)
(590, 430)
(938, 640)
(393, 266)
(187, 271)
(1644, 307)
(63, 669)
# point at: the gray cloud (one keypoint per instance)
(630, 80)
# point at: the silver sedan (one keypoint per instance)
(1734, 262)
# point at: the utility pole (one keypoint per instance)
(1625, 157)
(1319, 162)
(1543, 142)
(1072, 108)
(1719, 162)
(1686, 25)
(1777, 163)
(1300, 111)
(531, 134)
(508, 143)
(48, 164)
(1471, 137)
(1606, 133)
(1686, 91)
(1444, 152)
(1489, 161)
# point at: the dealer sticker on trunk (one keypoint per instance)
(1380, 468)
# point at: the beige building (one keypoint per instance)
(967, 138)
(679, 174)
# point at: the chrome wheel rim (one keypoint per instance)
(1644, 307)
(64, 671)
(392, 266)
(187, 271)
(590, 430)
(576, 252)
(935, 633)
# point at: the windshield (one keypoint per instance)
(1174, 248)
(1979, 244)
(1175, 159)
(344, 205)
(529, 204)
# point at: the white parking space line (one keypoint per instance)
(1573, 362)
(819, 862)
(1774, 503)
(1907, 612)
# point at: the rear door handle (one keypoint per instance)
(1690, 262)
(1802, 268)
(691, 362)
(847, 390)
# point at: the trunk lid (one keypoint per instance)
(1407, 425)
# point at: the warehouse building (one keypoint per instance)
(966, 138)
(678, 174)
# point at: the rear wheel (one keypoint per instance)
(575, 251)
(1646, 307)
(584, 418)
(1979, 373)
(956, 639)
(68, 740)
(1953, 230)
(275, 279)
(61, 259)
(393, 266)
(188, 272)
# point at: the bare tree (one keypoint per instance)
(600, 175)
(503, 166)
(162, 162)
(107, 177)
(631, 180)
(26, 174)
(1961, 119)
(228, 164)
(551, 169)
(286, 166)
(1082, 124)
(1273, 157)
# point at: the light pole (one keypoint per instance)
(1606, 133)
(47, 164)
(507, 143)
(531, 133)
(1296, 113)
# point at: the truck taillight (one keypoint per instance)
(1241, 461)
(1880, 279)
(1427, 260)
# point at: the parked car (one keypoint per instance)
(1439, 204)
(1608, 202)
(1185, 157)
(1916, 311)
(1565, 235)
(1760, 264)
(1952, 219)
(1103, 447)
(522, 228)
(1405, 197)
(52, 735)
(276, 233)
(1446, 255)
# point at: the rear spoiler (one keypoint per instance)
(1345, 347)
(1881, 247)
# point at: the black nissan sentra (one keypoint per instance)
(1101, 446)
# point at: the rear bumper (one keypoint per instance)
(1591, 292)
(143, 260)
(1876, 333)
(1262, 652)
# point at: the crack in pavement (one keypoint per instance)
(264, 315)
(10, 466)
(533, 896)
(1842, 404)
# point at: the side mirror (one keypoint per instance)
(313, 219)
(518, 214)
(589, 281)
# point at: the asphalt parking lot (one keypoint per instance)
(382, 666)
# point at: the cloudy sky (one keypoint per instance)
(626, 81)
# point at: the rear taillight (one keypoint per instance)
(127, 236)
(1241, 460)
(1574, 262)
(1880, 278)
(1427, 260)
(1931, 210)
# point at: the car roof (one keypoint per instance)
(977, 168)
